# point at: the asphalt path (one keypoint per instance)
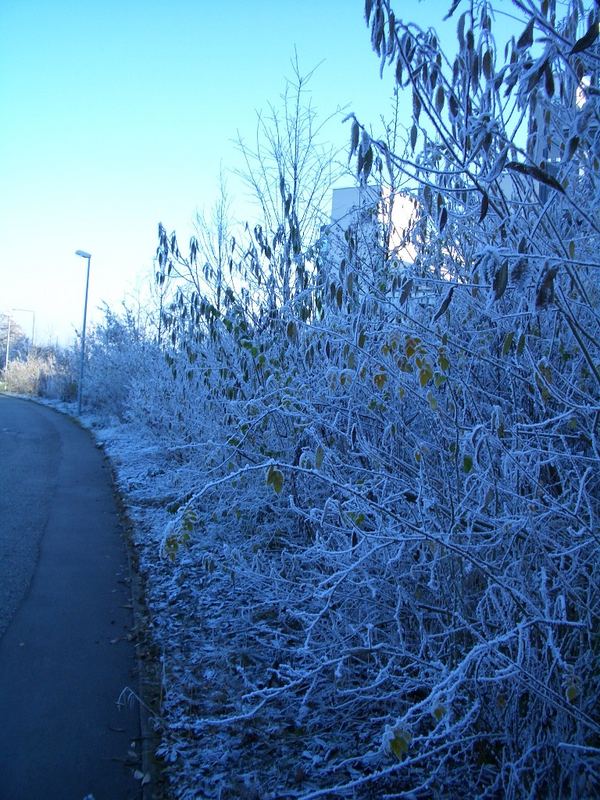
(65, 615)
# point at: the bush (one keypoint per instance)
(379, 575)
(379, 569)
(45, 373)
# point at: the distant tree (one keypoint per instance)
(203, 270)
(214, 235)
(290, 172)
(12, 333)
(262, 268)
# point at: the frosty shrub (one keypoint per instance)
(46, 372)
(379, 577)
(119, 357)
(23, 377)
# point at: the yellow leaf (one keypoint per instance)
(411, 346)
(379, 380)
(425, 375)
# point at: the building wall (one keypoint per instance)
(376, 207)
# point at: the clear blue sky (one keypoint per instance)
(117, 113)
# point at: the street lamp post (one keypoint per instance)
(7, 344)
(83, 254)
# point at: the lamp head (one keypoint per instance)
(82, 253)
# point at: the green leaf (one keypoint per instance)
(379, 380)
(425, 375)
(411, 345)
(406, 290)
(443, 218)
(319, 456)
(439, 99)
(536, 173)
(416, 106)
(454, 107)
(572, 692)
(519, 270)
(500, 281)
(453, 8)
(572, 146)
(443, 361)
(467, 464)
(275, 479)
(399, 744)
(485, 204)
(292, 331)
(487, 64)
(508, 340)
(545, 292)
(445, 303)
(357, 519)
(354, 138)
(413, 137)
(368, 163)
(526, 38)
(587, 40)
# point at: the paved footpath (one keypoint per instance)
(64, 615)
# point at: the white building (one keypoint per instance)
(381, 220)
